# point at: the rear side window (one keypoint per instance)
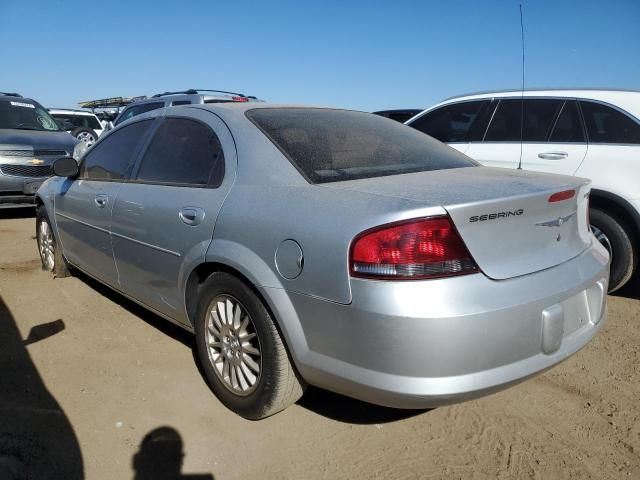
(111, 158)
(608, 125)
(568, 127)
(328, 145)
(185, 152)
(539, 115)
(451, 123)
(138, 109)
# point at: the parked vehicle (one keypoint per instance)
(589, 133)
(30, 140)
(185, 97)
(399, 115)
(333, 248)
(85, 126)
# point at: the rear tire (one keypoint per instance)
(50, 255)
(234, 328)
(619, 240)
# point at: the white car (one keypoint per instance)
(587, 133)
(83, 125)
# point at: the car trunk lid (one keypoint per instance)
(505, 217)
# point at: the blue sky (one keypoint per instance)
(365, 55)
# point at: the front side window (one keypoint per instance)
(110, 159)
(451, 123)
(21, 114)
(328, 145)
(138, 109)
(608, 125)
(184, 152)
(538, 115)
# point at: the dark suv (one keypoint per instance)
(30, 141)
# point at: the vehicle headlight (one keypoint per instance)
(79, 150)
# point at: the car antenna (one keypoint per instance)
(522, 91)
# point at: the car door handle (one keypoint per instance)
(553, 155)
(191, 215)
(101, 200)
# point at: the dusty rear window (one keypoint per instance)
(329, 145)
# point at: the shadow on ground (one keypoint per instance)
(160, 457)
(328, 404)
(349, 410)
(36, 439)
(27, 212)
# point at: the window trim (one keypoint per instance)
(132, 161)
(138, 162)
(546, 97)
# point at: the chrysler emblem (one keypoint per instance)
(556, 222)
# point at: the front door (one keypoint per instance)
(163, 219)
(83, 209)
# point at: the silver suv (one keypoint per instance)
(30, 141)
(185, 97)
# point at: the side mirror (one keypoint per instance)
(66, 167)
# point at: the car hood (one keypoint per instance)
(36, 139)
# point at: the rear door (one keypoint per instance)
(83, 210)
(558, 148)
(455, 124)
(164, 217)
(545, 132)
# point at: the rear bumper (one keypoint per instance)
(427, 343)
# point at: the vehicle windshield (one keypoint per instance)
(22, 114)
(329, 145)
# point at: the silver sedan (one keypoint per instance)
(333, 248)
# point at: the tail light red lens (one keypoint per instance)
(418, 249)
(240, 99)
(560, 196)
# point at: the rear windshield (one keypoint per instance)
(329, 145)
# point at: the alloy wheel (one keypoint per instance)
(233, 345)
(87, 138)
(46, 245)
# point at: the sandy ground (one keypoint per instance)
(100, 373)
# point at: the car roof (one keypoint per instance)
(628, 100)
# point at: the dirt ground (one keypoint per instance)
(97, 378)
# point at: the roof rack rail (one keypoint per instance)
(194, 91)
(68, 110)
(11, 94)
(110, 102)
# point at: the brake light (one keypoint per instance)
(560, 196)
(240, 99)
(417, 249)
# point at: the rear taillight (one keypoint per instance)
(560, 196)
(417, 249)
(240, 99)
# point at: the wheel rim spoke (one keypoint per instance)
(233, 345)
